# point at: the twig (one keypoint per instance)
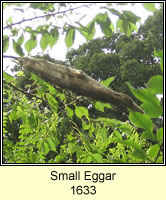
(26, 93)
(43, 16)
(13, 57)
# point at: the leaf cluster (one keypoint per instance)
(45, 124)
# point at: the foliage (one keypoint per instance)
(45, 124)
(50, 32)
(127, 59)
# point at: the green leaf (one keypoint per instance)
(114, 11)
(104, 133)
(148, 136)
(54, 36)
(99, 106)
(45, 147)
(153, 110)
(83, 30)
(52, 90)
(31, 44)
(9, 20)
(69, 112)
(130, 143)
(5, 43)
(81, 111)
(38, 80)
(88, 31)
(44, 41)
(117, 134)
(52, 102)
(101, 17)
(8, 78)
(156, 84)
(17, 48)
(107, 105)
(34, 138)
(13, 115)
(107, 82)
(97, 158)
(20, 73)
(87, 159)
(153, 151)
(151, 103)
(125, 128)
(32, 120)
(91, 130)
(72, 148)
(144, 95)
(20, 39)
(139, 154)
(70, 36)
(160, 136)
(61, 96)
(110, 122)
(105, 23)
(85, 125)
(159, 159)
(159, 54)
(87, 144)
(21, 114)
(91, 30)
(124, 26)
(131, 17)
(149, 6)
(29, 30)
(141, 121)
(51, 143)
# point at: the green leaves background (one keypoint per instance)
(42, 124)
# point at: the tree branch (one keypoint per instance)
(25, 92)
(78, 82)
(43, 16)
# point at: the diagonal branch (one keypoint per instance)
(25, 92)
(77, 81)
(43, 16)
